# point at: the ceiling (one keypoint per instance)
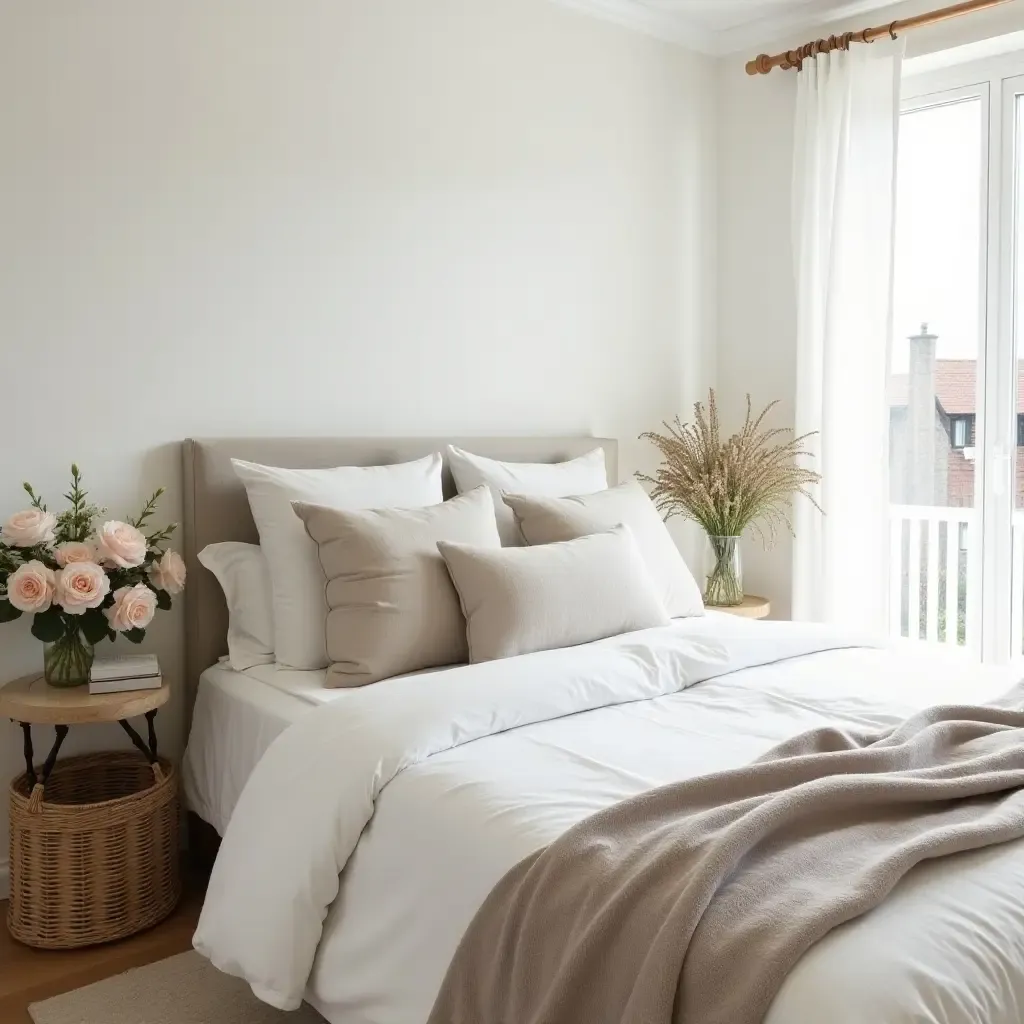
(724, 26)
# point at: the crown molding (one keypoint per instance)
(648, 21)
(677, 28)
(797, 23)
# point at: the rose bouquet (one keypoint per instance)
(83, 579)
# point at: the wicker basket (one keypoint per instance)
(96, 859)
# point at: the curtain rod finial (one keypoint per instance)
(760, 65)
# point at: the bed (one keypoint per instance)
(480, 781)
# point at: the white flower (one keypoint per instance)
(29, 528)
(133, 608)
(120, 545)
(74, 551)
(81, 586)
(169, 573)
(30, 587)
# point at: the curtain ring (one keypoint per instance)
(892, 30)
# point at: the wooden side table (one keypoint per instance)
(751, 608)
(31, 701)
(94, 838)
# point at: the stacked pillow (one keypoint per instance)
(549, 520)
(241, 571)
(391, 605)
(525, 599)
(368, 572)
(296, 579)
(548, 479)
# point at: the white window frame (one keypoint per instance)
(993, 626)
(1010, 342)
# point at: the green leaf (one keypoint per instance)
(148, 509)
(37, 502)
(135, 636)
(121, 578)
(94, 625)
(49, 626)
(163, 600)
(8, 613)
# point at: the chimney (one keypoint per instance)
(921, 418)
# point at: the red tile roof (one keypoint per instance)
(955, 382)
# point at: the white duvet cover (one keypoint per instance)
(422, 792)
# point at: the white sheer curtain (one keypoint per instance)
(844, 174)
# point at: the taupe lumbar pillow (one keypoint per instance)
(391, 604)
(520, 600)
(547, 520)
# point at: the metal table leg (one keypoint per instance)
(148, 750)
(61, 732)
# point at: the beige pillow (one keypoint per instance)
(519, 600)
(546, 520)
(391, 604)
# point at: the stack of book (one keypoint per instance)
(127, 672)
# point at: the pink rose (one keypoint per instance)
(169, 573)
(80, 586)
(133, 608)
(30, 587)
(73, 551)
(120, 545)
(29, 528)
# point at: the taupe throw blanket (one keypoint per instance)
(691, 903)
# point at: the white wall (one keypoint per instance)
(336, 217)
(756, 297)
(756, 312)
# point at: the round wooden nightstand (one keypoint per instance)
(31, 701)
(751, 608)
(94, 838)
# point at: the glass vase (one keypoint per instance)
(67, 662)
(723, 586)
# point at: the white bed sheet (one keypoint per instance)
(948, 946)
(236, 717)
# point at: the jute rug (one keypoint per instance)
(183, 989)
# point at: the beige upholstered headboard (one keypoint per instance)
(216, 507)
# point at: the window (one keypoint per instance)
(961, 431)
(956, 393)
(936, 390)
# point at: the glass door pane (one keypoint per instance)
(935, 392)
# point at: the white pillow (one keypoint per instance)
(583, 475)
(241, 571)
(296, 578)
(546, 520)
(520, 600)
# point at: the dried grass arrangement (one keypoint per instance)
(727, 485)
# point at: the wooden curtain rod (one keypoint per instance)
(794, 58)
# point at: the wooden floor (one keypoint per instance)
(30, 975)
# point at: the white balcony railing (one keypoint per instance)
(928, 596)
